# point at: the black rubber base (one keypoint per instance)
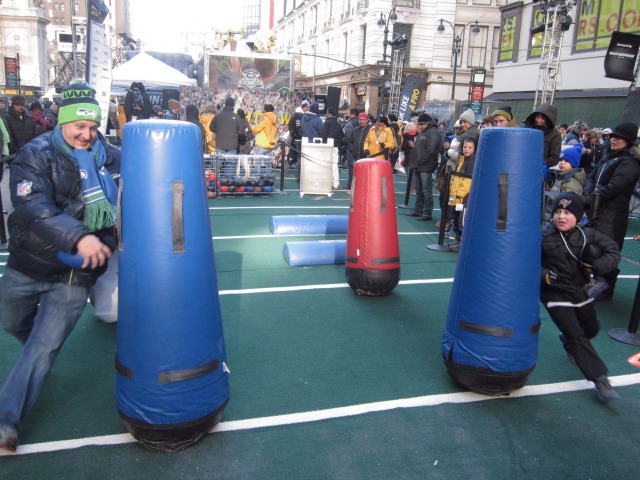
(485, 381)
(374, 283)
(171, 438)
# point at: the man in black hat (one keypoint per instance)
(20, 125)
(227, 126)
(424, 161)
(613, 180)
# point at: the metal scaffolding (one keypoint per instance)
(556, 21)
(399, 46)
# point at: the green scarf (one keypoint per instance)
(6, 139)
(99, 190)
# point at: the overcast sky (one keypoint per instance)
(158, 23)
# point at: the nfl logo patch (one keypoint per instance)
(24, 188)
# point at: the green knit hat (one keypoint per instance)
(79, 103)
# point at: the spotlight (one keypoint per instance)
(566, 23)
(539, 29)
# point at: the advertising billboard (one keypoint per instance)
(253, 72)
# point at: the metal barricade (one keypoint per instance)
(239, 175)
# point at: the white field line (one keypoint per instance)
(325, 286)
(340, 412)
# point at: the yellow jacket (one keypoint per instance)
(378, 140)
(460, 185)
(266, 131)
(205, 120)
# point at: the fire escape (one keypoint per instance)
(556, 21)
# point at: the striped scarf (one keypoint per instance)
(99, 190)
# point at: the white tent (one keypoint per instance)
(151, 72)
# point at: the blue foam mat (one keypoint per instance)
(308, 224)
(321, 252)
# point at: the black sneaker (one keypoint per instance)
(604, 390)
(8, 439)
(424, 218)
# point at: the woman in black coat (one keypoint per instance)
(614, 180)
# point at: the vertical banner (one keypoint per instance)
(410, 96)
(11, 72)
(620, 60)
(478, 76)
(99, 58)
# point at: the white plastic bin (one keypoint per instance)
(316, 167)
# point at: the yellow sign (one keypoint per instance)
(508, 38)
(597, 19)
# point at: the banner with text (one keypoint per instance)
(620, 60)
(410, 96)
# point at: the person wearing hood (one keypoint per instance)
(51, 111)
(265, 133)
(614, 180)
(137, 106)
(570, 177)
(544, 118)
(40, 121)
(295, 131)
(311, 124)
(227, 127)
(192, 115)
(208, 113)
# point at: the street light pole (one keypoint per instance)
(457, 40)
(383, 24)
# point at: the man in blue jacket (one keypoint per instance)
(64, 195)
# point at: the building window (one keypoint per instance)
(509, 38)
(56, 7)
(477, 50)
(597, 19)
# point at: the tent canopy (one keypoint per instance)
(151, 72)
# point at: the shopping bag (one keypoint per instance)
(104, 295)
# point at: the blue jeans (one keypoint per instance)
(350, 163)
(41, 316)
(424, 198)
(260, 151)
(228, 165)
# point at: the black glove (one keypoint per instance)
(551, 278)
(366, 153)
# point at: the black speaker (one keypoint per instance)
(168, 93)
(333, 97)
(322, 103)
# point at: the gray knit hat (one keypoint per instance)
(468, 116)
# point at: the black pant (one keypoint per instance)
(579, 325)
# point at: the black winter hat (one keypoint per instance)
(627, 131)
(569, 201)
(424, 118)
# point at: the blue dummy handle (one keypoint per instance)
(73, 261)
